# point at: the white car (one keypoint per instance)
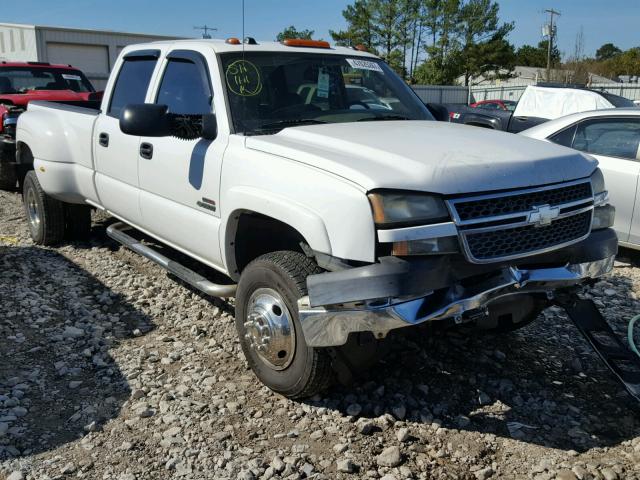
(333, 225)
(613, 137)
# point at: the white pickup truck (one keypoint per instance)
(335, 215)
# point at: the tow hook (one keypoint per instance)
(622, 362)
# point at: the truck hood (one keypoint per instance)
(22, 99)
(426, 156)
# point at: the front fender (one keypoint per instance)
(248, 198)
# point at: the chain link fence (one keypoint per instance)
(461, 95)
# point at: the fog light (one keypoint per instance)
(427, 246)
(603, 217)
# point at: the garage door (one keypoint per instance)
(88, 58)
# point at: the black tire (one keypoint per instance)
(49, 229)
(8, 177)
(285, 272)
(77, 221)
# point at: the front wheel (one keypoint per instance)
(269, 329)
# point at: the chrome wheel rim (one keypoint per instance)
(32, 209)
(269, 327)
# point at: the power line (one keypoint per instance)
(551, 35)
(205, 31)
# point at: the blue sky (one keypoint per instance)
(603, 21)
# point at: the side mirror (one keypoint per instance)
(149, 120)
(146, 120)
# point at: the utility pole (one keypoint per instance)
(206, 30)
(550, 35)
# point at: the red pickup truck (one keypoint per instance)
(23, 82)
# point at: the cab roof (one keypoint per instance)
(221, 46)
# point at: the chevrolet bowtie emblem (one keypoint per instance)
(543, 215)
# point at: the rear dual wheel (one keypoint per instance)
(50, 221)
(269, 328)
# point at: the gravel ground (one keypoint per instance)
(113, 370)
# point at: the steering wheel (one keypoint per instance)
(358, 102)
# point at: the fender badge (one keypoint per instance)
(207, 203)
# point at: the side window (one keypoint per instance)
(132, 83)
(185, 88)
(564, 137)
(613, 137)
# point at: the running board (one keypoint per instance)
(116, 231)
(623, 363)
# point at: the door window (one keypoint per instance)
(132, 83)
(613, 137)
(564, 137)
(185, 88)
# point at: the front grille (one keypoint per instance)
(511, 242)
(522, 202)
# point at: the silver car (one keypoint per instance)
(613, 137)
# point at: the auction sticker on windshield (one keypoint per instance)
(66, 76)
(364, 65)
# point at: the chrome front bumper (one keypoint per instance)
(327, 326)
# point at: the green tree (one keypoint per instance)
(360, 29)
(607, 51)
(625, 63)
(529, 56)
(293, 32)
(484, 45)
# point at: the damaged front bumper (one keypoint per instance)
(330, 325)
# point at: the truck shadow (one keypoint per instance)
(57, 378)
(542, 385)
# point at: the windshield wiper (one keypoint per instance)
(384, 117)
(290, 123)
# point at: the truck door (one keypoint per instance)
(116, 153)
(180, 179)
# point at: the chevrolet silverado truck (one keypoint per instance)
(333, 222)
(538, 104)
(22, 82)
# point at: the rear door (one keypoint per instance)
(614, 142)
(116, 154)
(180, 179)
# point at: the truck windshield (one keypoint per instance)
(23, 79)
(270, 91)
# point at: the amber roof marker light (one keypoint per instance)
(301, 42)
(232, 41)
(361, 48)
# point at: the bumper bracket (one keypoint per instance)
(622, 362)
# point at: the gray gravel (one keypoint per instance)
(112, 370)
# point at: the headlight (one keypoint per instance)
(600, 194)
(603, 217)
(395, 208)
(603, 214)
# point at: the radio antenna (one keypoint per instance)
(243, 29)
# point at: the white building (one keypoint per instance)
(521, 76)
(92, 51)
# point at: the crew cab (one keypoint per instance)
(22, 82)
(538, 104)
(333, 219)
